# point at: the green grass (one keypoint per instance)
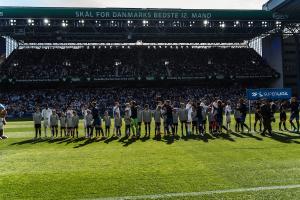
(87, 169)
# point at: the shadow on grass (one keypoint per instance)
(126, 141)
(87, 142)
(109, 140)
(284, 138)
(250, 135)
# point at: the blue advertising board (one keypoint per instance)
(270, 94)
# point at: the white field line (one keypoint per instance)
(197, 194)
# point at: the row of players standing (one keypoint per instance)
(192, 117)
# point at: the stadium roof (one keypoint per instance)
(36, 24)
(283, 6)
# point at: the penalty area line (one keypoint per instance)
(197, 194)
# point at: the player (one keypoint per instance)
(70, 124)
(63, 124)
(98, 127)
(266, 113)
(243, 110)
(84, 113)
(37, 120)
(157, 118)
(134, 118)
(2, 124)
(169, 116)
(183, 116)
(89, 123)
(204, 116)
(283, 117)
(211, 120)
(116, 110)
(219, 116)
(199, 111)
(294, 114)
(3, 111)
(54, 124)
(189, 109)
(175, 122)
(128, 124)
(258, 117)
(237, 116)
(147, 120)
(194, 120)
(228, 112)
(139, 119)
(75, 122)
(46, 113)
(107, 122)
(118, 124)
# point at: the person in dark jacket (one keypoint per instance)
(266, 113)
(243, 110)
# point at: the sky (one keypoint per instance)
(187, 4)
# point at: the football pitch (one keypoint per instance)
(230, 166)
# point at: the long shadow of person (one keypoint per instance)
(31, 141)
(109, 140)
(87, 142)
(226, 137)
(129, 142)
(284, 138)
(252, 136)
(145, 139)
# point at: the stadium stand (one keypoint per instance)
(138, 62)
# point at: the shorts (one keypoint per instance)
(134, 122)
(107, 127)
(127, 126)
(37, 126)
(46, 123)
(183, 122)
(194, 123)
(243, 119)
(157, 124)
(55, 126)
(257, 117)
(97, 122)
(175, 124)
(76, 127)
(294, 116)
(219, 121)
(283, 117)
(169, 122)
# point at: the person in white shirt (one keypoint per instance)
(228, 112)
(204, 115)
(46, 113)
(189, 109)
(116, 110)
